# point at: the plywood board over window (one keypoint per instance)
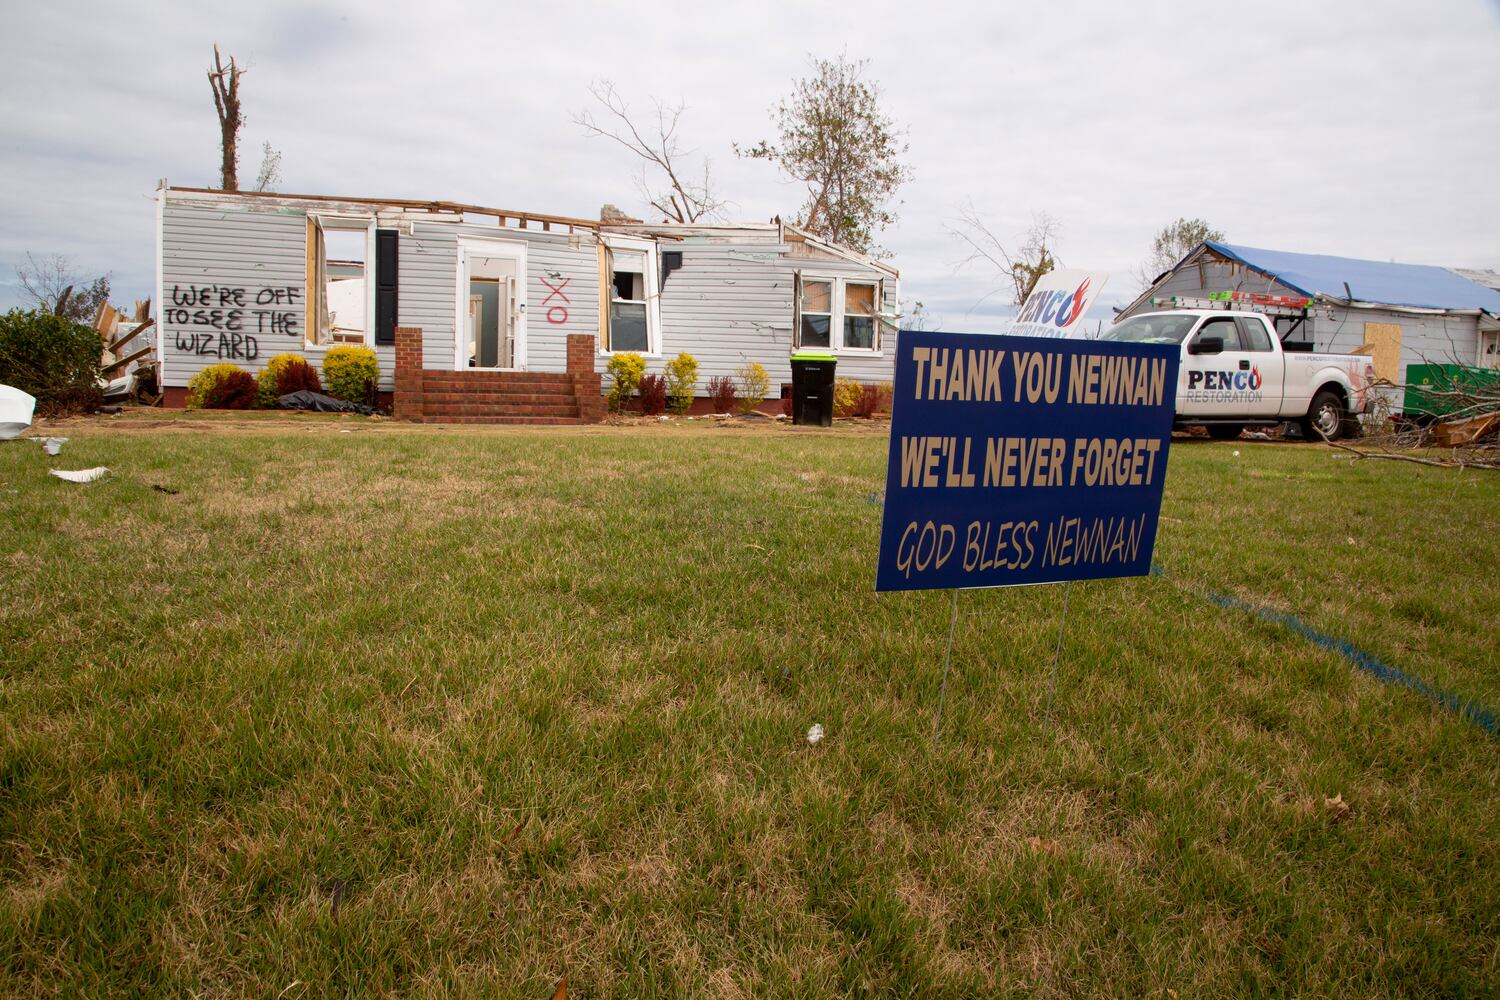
(1383, 346)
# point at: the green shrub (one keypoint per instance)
(351, 373)
(624, 370)
(682, 379)
(52, 358)
(848, 398)
(222, 387)
(283, 374)
(754, 382)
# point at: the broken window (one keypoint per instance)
(817, 313)
(859, 316)
(632, 323)
(340, 294)
(841, 314)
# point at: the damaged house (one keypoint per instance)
(1401, 315)
(480, 314)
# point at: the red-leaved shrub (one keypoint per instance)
(231, 391)
(653, 395)
(296, 376)
(721, 391)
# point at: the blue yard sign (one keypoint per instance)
(1020, 460)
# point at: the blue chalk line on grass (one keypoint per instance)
(1473, 711)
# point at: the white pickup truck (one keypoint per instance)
(1235, 373)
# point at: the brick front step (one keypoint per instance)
(433, 398)
(497, 380)
(461, 410)
(509, 420)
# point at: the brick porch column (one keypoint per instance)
(588, 388)
(408, 398)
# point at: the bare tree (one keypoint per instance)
(839, 142)
(225, 82)
(1021, 268)
(270, 168)
(1172, 244)
(685, 198)
(55, 287)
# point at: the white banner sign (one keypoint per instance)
(1056, 305)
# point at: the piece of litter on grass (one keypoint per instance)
(348, 431)
(164, 489)
(815, 734)
(52, 446)
(1337, 808)
(874, 498)
(81, 475)
(1236, 454)
(663, 418)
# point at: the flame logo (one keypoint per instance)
(1077, 305)
(1255, 378)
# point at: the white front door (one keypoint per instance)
(491, 324)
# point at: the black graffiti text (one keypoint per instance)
(224, 346)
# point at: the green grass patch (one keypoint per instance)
(417, 710)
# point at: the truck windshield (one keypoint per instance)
(1158, 329)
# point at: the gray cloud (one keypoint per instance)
(1361, 129)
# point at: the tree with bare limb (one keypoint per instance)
(1172, 244)
(55, 287)
(270, 168)
(1019, 269)
(225, 82)
(839, 142)
(685, 197)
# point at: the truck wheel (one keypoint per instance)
(1325, 418)
(1224, 432)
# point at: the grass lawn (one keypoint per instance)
(429, 711)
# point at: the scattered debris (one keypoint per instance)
(51, 446)
(663, 418)
(16, 410)
(1457, 433)
(815, 734)
(306, 399)
(875, 499)
(81, 475)
(1257, 436)
(127, 366)
(562, 990)
(165, 489)
(1236, 453)
(1337, 808)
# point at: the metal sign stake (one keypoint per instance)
(937, 724)
(1062, 627)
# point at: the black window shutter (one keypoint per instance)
(386, 249)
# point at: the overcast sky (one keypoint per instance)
(1364, 129)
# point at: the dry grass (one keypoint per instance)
(437, 712)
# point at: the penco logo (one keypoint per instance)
(1225, 381)
(1055, 308)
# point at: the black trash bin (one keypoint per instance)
(812, 388)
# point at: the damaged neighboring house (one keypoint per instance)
(485, 315)
(1398, 314)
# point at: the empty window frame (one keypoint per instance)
(633, 312)
(840, 314)
(340, 290)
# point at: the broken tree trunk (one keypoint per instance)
(226, 86)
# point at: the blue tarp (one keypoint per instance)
(1369, 280)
